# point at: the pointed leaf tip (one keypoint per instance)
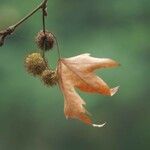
(114, 90)
(99, 125)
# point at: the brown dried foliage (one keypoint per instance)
(78, 72)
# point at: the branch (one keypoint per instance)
(11, 29)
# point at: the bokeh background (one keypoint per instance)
(31, 115)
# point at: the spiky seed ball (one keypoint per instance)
(49, 77)
(35, 64)
(45, 41)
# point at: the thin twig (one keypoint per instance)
(44, 13)
(11, 29)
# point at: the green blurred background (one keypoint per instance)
(31, 115)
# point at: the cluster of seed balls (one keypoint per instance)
(37, 65)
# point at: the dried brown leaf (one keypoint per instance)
(78, 72)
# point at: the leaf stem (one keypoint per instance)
(57, 46)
